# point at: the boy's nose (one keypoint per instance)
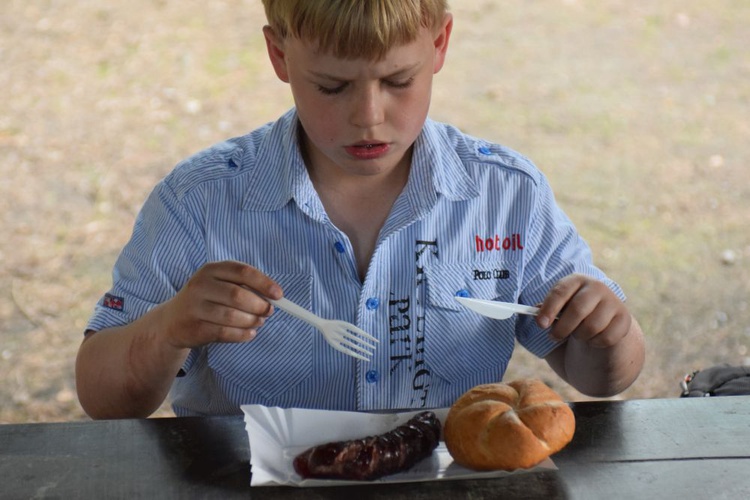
(367, 108)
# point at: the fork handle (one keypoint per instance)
(291, 308)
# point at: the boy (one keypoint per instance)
(358, 207)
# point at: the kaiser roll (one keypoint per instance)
(507, 425)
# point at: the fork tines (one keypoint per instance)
(358, 343)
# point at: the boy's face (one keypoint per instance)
(360, 117)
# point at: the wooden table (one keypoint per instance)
(643, 449)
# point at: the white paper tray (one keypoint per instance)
(277, 435)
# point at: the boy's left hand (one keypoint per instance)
(587, 310)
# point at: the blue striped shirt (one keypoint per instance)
(474, 219)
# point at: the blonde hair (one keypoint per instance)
(352, 29)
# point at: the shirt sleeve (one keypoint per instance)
(165, 249)
(554, 250)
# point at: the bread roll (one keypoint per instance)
(507, 426)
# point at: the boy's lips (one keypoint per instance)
(367, 150)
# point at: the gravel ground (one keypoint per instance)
(637, 112)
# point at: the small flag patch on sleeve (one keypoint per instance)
(113, 302)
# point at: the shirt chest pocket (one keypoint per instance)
(279, 358)
(459, 343)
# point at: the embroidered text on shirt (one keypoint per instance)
(497, 274)
(512, 243)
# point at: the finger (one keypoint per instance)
(613, 333)
(247, 276)
(557, 299)
(242, 298)
(228, 315)
(593, 324)
(230, 335)
(212, 286)
(564, 327)
(206, 333)
(573, 317)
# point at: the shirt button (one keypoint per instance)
(339, 247)
(372, 303)
(372, 376)
(485, 150)
(463, 293)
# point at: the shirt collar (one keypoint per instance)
(279, 173)
(437, 168)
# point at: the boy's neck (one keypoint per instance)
(359, 205)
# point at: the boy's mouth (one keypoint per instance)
(367, 150)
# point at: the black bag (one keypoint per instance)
(720, 380)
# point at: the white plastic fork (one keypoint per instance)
(341, 335)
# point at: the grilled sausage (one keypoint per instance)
(372, 457)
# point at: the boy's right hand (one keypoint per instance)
(219, 303)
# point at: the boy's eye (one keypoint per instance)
(400, 84)
(331, 90)
(397, 84)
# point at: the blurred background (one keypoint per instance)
(637, 111)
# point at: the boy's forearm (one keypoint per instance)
(127, 371)
(600, 372)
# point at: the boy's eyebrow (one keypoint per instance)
(395, 74)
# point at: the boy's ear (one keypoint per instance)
(276, 53)
(442, 37)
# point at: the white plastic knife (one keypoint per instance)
(495, 309)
